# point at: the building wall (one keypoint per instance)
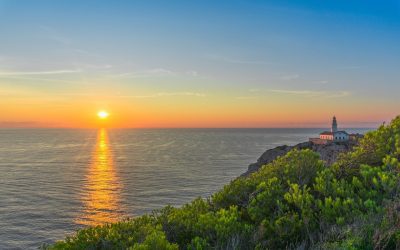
(341, 137)
(326, 137)
(336, 137)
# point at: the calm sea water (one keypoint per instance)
(54, 181)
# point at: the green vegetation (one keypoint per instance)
(294, 202)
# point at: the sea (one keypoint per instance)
(55, 181)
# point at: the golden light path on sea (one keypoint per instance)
(101, 193)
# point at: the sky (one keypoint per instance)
(274, 63)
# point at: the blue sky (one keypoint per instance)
(329, 52)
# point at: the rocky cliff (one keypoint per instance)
(328, 152)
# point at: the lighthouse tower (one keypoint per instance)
(334, 125)
(331, 136)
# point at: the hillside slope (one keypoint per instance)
(294, 202)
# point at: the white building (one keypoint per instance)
(334, 134)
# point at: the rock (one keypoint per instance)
(328, 153)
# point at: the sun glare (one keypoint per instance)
(102, 114)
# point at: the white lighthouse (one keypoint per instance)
(334, 134)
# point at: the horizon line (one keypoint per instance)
(282, 127)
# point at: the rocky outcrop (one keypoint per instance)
(328, 152)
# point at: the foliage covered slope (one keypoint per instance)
(293, 203)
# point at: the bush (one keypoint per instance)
(293, 202)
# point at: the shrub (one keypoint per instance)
(293, 202)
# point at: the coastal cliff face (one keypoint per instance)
(328, 153)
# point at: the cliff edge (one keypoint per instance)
(328, 153)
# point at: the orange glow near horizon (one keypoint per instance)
(214, 111)
(101, 197)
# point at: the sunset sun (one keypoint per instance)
(102, 114)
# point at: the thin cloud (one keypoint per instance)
(90, 66)
(237, 61)
(246, 97)
(37, 79)
(155, 95)
(311, 93)
(192, 73)
(163, 94)
(296, 92)
(338, 95)
(290, 77)
(157, 72)
(52, 72)
(23, 66)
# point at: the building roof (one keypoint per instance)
(333, 133)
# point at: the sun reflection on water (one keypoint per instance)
(101, 197)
